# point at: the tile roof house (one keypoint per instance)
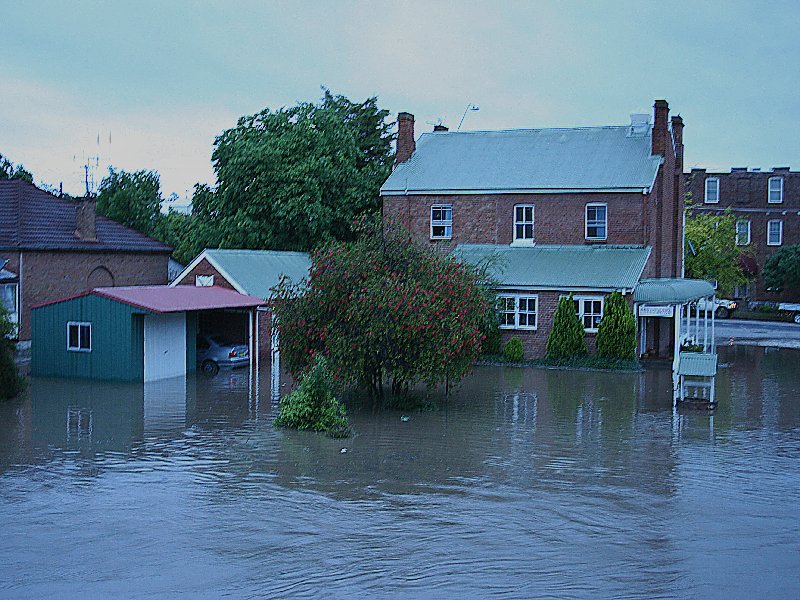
(585, 210)
(57, 248)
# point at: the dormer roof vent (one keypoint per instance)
(640, 124)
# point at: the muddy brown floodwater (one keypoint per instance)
(525, 484)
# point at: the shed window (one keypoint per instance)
(774, 233)
(596, 221)
(203, 280)
(775, 195)
(79, 336)
(523, 223)
(441, 221)
(518, 311)
(712, 190)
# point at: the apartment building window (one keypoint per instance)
(518, 311)
(79, 336)
(775, 195)
(596, 221)
(742, 233)
(441, 221)
(523, 223)
(774, 233)
(712, 190)
(589, 310)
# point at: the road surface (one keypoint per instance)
(757, 333)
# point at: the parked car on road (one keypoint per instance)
(722, 308)
(791, 307)
(215, 351)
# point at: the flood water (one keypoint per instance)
(526, 484)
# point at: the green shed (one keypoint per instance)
(139, 333)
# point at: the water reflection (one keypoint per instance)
(524, 483)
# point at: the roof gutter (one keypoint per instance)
(408, 192)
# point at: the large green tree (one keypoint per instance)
(10, 171)
(711, 250)
(296, 177)
(782, 269)
(133, 199)
(385, 308)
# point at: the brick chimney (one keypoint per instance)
(660, 130)
(677, 134)
(86, 220)
(405, 137)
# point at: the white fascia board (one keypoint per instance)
(642, 190)
(550, 288)
(205, 255)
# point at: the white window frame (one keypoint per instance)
(739, 241)
(595, 221)
(780, 232)
(707, 198)
(80, 325)
(13, 311)
(524, 223)
(582, 313)
(779, 190)
(203, 280)
(446, 223)
(502, 298)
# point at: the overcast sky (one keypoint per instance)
(161, 79)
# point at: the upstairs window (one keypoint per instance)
(203, 280)
(79, 336)
(518, 311)
(775, 195)
(589, 310)
(441, 221)
(774, 233)
(596, 225)
(742, 233)
(523, 223)
(712, 190)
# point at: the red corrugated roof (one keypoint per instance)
(165, 299)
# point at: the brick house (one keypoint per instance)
(51, 248)
(585, 210)
(249, 272)
(767, 209)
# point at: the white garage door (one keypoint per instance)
(164, 346)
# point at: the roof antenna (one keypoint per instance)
(470, 107)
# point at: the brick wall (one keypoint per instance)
(205, 268)
(48, 276)
(745, 193)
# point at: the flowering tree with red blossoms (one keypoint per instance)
(385, 309)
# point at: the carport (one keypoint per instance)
(139, 333)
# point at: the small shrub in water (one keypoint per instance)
(313, 406)
(513, 351)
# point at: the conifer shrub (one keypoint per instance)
(10, 381)
(616, 336)
(566, 339)
(513, 351)
(313, 405)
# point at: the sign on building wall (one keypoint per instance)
(647, 310)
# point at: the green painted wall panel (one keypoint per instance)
(117, 340)
(192, 320)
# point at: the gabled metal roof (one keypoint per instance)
(528, 160)
(672, 291)
(253, 272)
(602, 268)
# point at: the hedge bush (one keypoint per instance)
(616, 336)
(567, 336)
(513, 351)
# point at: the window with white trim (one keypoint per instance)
(589, 310)
(441, 221)
(774, 232)
(518, 311)
(596, 221)
(8, 299)
(712, 190)
(523, 222)
(742, 233)
(203, 280)
(775, 193)
(79, 336)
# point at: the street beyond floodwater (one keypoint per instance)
(729, 332)
(527, 483)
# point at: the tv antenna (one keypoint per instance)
(470, 107)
